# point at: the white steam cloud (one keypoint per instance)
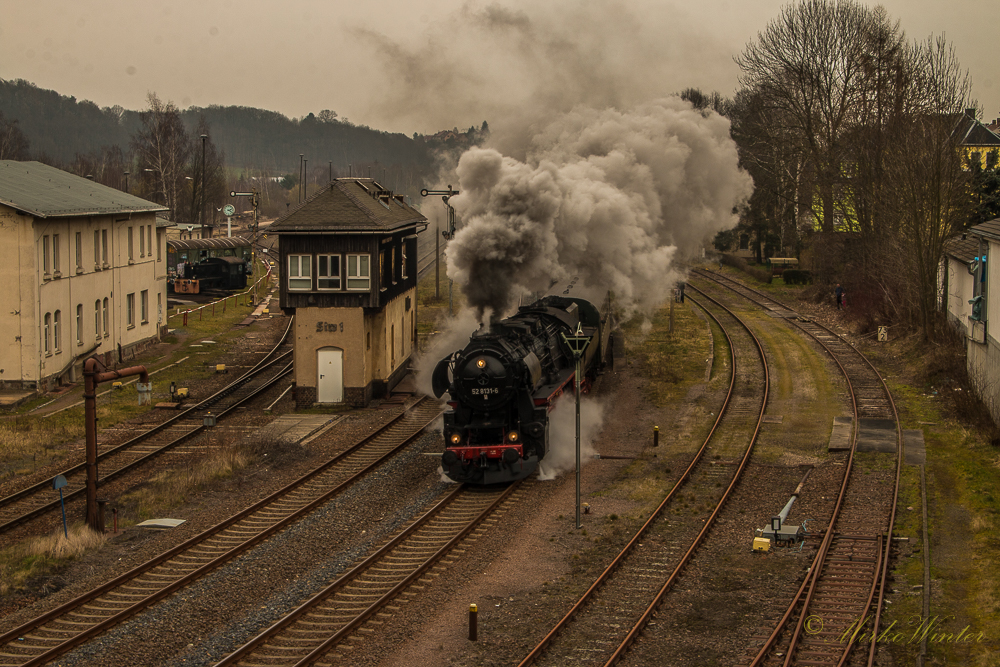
(610, 196)
(453, 336)
(562, 435)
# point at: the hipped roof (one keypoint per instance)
(349, 205)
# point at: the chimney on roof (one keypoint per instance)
(971, 113)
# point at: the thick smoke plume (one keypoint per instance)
(609, 196)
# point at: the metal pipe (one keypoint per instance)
(91, 378)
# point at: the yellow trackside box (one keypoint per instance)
(762, 544)
(220, 368)
(182, 393)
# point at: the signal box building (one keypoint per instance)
(349, 275)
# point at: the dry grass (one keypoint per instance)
(26, 444)
(42, 556)
(172, 488)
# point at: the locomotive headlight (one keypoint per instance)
(481, 363)
(513, 436)
(455, 438)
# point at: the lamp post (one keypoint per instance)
(301, 155)
(201, 208)
(577, 344)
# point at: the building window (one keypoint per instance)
(359, 272)
(46, 330)
(144, 306)
(142, 241)
(107, 318)
(159, 307)
(79, 252)
(57, 330)
(130, 251)
(328, 271)
(46, 265)
(55, 255)
(402, 260)
(104, 247)
(97, 248)
(130, 310)
(149, 240)
(159, 251)
(79, 324)
(300, 272)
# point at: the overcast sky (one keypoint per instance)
(417, 65)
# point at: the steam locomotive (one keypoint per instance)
(503, 384)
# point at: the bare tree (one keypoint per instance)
(13, 143)
(194, 202)
(807, 68)
(930, 194)
(162, 151)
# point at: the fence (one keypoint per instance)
(250, 296)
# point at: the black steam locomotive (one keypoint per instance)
(503, 384)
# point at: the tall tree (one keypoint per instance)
(930, 192)
(807, 69)
(162, 149)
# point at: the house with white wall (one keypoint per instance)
(83, 268)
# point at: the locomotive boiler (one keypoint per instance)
(503, 385)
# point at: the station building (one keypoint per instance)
(83, 268)
(348, 265)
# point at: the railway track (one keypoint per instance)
(847, 579)
(37, 500)
(75, 623)
(359, 599)
(603, 624)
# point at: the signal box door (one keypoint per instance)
(330, 375)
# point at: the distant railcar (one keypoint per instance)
(196, 265)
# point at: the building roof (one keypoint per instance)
(47, 192)
(963, 248)
(216, 243)
(989, 229)
(970, 132)
(349, 205)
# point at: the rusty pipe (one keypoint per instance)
(92, 378)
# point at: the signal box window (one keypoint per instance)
(300, 272)
(359, 272)
(328, 271)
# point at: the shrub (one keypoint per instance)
(797, 277)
